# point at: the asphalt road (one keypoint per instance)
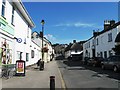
(76, 75)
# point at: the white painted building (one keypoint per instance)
(46, 43)
(102, 43)
(75, 49)
(15, 34)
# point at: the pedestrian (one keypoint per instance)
(38, 63)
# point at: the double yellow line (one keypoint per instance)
(62, 81)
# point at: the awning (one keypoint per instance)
(117, 39)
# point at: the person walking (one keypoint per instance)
(38, 63)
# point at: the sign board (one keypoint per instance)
(20, 68)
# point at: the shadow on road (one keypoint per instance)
(72, 63)
(61, 57)
(108, 73)
(98, 70)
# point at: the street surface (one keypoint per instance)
(76, 75)
(35, 78)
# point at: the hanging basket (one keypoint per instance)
(45, 49)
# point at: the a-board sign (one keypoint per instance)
(20, 68)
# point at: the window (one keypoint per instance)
(19, 55)
(3, 8)
(110, 53)
(105, 54)
(109, 37)
(89, 44)
(32, 53)
(28, 32)
(12, 19)
(101, 54)
(27, 56)
(97, 41)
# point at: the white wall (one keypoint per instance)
(37, 54)
(104, 45)
(87, 46)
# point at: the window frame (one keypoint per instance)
(3, 8)
(13, 15)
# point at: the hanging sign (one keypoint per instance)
(19, 40)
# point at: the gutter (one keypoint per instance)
(24, 12)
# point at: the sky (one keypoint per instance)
(68, 21)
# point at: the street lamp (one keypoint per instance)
(42, 61)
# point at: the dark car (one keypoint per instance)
(75, 57)
(95, 61)
(113, 62)
(85, 61)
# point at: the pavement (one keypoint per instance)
(35, 78)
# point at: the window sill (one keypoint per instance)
(12, 24)
(3, 17)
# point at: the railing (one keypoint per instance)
(8, 71)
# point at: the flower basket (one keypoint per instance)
(45, 49)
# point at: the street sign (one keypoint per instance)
(19, 40)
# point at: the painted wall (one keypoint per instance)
(103, 44)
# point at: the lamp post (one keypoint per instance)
(42, 61)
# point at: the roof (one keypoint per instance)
(76, 46)
(103, 31)
(117, 39)
(19, 5)
(109, 28)
(68, 47)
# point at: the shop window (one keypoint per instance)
(5, 53)
(0, 56)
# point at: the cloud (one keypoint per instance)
(50, 37)
(78, 24)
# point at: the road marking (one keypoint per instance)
(62, 80)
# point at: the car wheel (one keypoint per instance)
(103, 67)
(115, 69)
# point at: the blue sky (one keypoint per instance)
(68, 21)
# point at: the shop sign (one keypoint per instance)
(19, 40)
(20, 68)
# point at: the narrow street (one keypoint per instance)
(76, 75)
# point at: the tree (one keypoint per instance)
(117, 49)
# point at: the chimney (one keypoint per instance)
(112, 22)
(41, 34)
(106, 24)
(95, 33)
(74, 41)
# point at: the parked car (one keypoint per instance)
(113, 62)
(75, 57)
(95, 61)
(85, 61)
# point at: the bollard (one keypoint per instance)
(52, 82)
